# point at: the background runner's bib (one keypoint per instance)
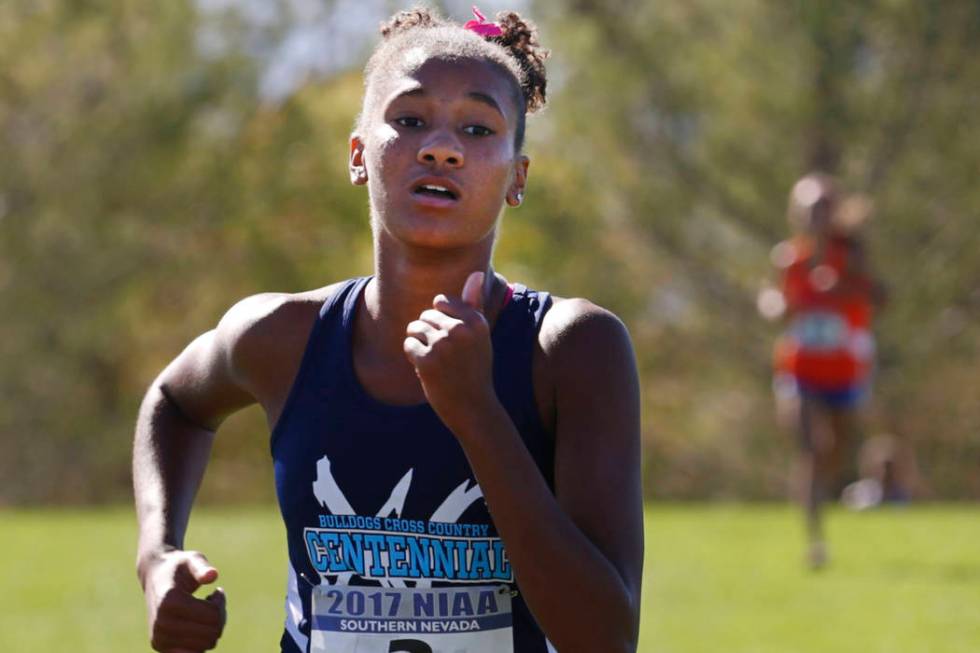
(828, 344)
(390, 620)
(820, 331)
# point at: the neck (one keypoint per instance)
(408, 278)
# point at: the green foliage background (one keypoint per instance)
(145, 186)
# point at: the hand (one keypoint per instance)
(180, 622)
(449, 345)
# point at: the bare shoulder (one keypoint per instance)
(584, 355)
(784, 254)
(576, 326)
(264, 335)
(251, 356)
(268, 316)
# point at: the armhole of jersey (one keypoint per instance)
(305, 363)
(545, 303)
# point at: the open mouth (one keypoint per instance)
(434, 190)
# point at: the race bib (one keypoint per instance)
(473, 619)
(820, 331)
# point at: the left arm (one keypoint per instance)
(578, 553)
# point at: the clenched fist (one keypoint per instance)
(180, 622)
(449, 346)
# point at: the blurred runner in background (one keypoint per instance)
(824, 358)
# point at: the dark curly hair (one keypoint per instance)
(516, 51)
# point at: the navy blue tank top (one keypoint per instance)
(395, 476)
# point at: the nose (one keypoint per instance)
(441, 150)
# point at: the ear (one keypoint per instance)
(358, 171)
(515, 194)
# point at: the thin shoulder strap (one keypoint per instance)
(514, 338)
(316, 345)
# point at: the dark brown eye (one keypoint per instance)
(477, 130)
(409, 121)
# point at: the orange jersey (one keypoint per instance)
(828, 343)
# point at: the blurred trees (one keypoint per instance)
(692, 120)
(145, 187)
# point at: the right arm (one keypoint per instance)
(219, 373)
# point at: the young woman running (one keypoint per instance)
(456, 457)
(824, 359)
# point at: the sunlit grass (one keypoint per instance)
(733, 579)
(717, 578)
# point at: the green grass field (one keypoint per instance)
(717, 578)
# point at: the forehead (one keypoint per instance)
(448, 79)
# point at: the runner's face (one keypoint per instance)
(821, 213)
(438, 154)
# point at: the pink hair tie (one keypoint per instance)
(481, 26)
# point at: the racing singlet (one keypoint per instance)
(391, 545)
(828, 344)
